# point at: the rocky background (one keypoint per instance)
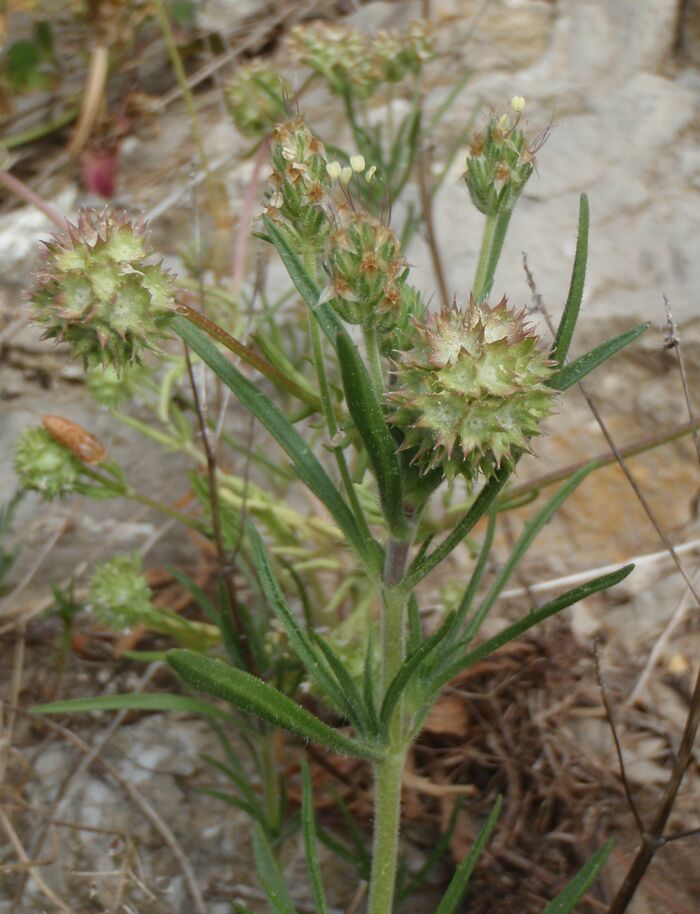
(619, 80)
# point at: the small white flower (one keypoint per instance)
(370, 173)
(346, 175)
(289, 153)
(357, 163)
(334, 170)
(276, 200)
(517, 103)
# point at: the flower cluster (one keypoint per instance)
(352, 63)
(45, 466)
(256, 98)
(300, 183)
(473, 390)
(119, 594)
(366, 271)
(97, 291)
(500, 161)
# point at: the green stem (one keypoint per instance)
(375, 363)
(387, 821)
(389, 772)
(491, 247)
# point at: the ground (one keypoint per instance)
(105, 815)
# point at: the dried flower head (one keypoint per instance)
(86, 447)
(473, 390)
(255, 98)
(119, 594)
(500, 161)
(366, 271)
(97, 291)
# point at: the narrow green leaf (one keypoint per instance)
(469, 594)
(196, 592)
(527, 622)
(532, 528)
(368, 689)
(568, 320)
(231, 799)
(410, 668)
(242, 782)
(305, 284)
(482, 502)
(352, 704)
(566, 901)
(240, 908)
(270, 875)
(368, 417)
(305, 463)
(578, 369)
(254, 696)
(298, 638)
(436, 854)
(308, 827)
(147, 701)
(460, 880)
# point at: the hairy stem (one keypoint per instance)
(388, 773)
(491, 247)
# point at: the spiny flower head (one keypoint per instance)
(119, 594)
(97, 291)
(299, 182)
(500, 161)
(111, 388)
(366, 271)
(255, 98)
(473, 390)
(45, 466)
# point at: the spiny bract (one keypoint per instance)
(472, 391)
(97, 292)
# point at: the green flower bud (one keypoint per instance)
(119, 593)
(500, 161)
(97, 292)
(299, 183)
(473, 390)
(44, 465)
(112, 388)
(255, 98)
(366, 270)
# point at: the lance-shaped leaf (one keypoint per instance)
(305, 284)
(308, 827)
(522, 625)
(304, 461)
(298, 638)
(566, 901)
(532, 528)
(369, 420)
(578, 369)
(409, 669)
(148, 701)
(252, 695)
(568, 320)
(270, 875)
(460, 880)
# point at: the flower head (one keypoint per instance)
(44, 465)
(255, 98)
(119, 593)
(366, 270)
(97, 291)
(473, 390)
(500, 161)
(300, 182)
